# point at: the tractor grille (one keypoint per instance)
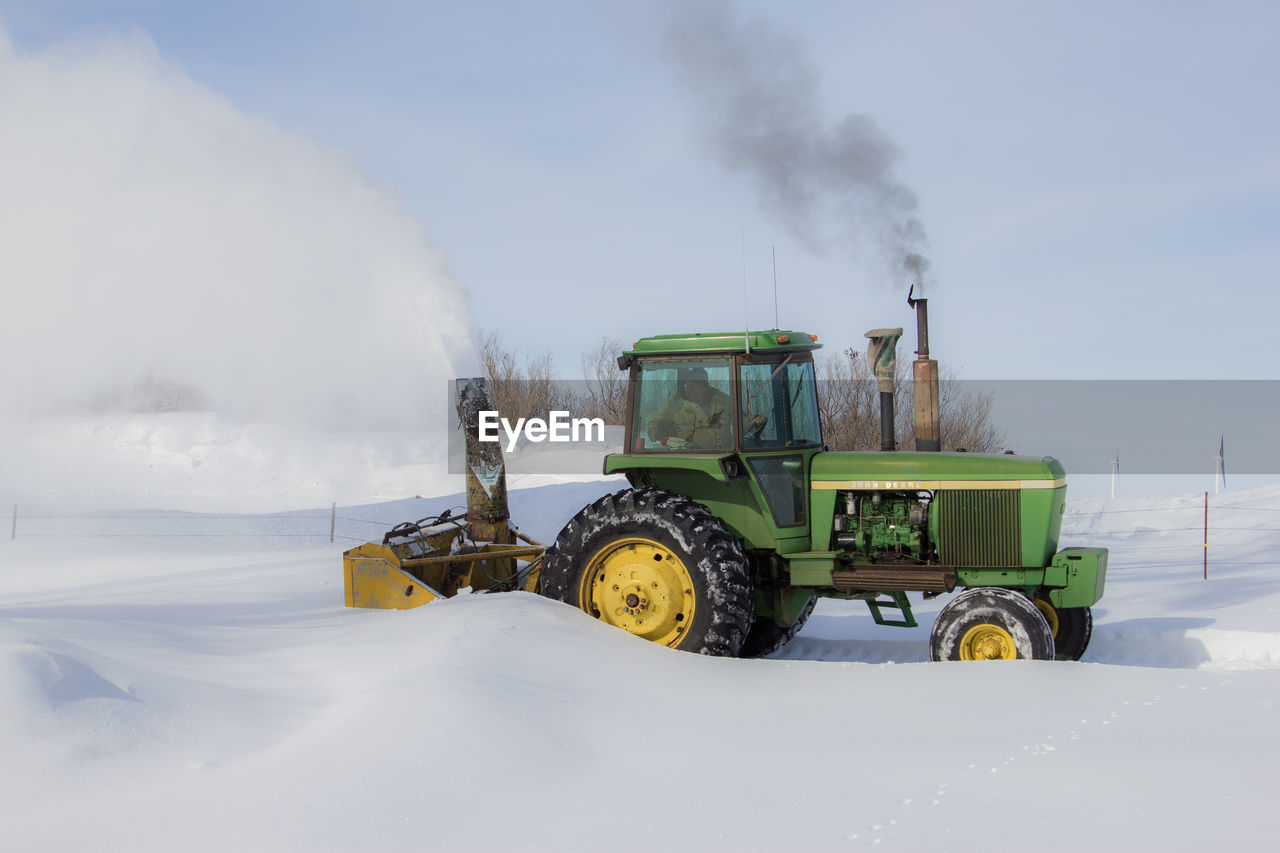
(979, 528)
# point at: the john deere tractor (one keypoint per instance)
(737, 518)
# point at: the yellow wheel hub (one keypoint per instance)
(987, 642)
(641, 586)
(1050, 614)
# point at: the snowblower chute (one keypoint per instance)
(420, 561)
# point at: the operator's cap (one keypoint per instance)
(692, 374)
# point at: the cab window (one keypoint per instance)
(779, 405)
(683, 404)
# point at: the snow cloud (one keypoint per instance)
(830, 183)
(153, 233)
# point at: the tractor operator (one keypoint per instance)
(696, 416)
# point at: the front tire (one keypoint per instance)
(1071, 627)
(657, 565)
(990, 623)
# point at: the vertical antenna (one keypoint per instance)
(774, 249)
(746, 321)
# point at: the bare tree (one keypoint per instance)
(502, 369)
(850, 408)
(849, 402)
(848, 398)
(525, 390)
(605, 389)
(152, 394)
(965, 417)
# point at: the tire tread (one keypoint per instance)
(708, 552)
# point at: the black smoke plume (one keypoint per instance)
(830, 183)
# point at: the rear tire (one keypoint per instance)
(766, 636)
(657, 565)
(990, 623)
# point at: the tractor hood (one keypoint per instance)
(912, 471)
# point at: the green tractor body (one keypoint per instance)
(723, 441)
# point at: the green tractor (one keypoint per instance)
(738, 518)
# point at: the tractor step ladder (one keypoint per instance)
(896, 601)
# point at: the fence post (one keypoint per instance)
(333, 521)
(13, 534)
(1206, 535)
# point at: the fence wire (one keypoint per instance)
(336, 527)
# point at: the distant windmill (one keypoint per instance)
(1115, 474)
(1220, 474)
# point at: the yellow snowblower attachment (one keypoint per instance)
(420, 561)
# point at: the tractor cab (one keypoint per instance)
(723, 393)
(731, 418)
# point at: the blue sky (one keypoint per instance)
(1099, 182)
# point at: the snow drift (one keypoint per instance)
(211, 692)
(192, 679)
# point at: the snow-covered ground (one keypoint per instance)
(174, 679)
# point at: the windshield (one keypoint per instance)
(779, 404)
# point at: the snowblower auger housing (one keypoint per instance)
(418, 562)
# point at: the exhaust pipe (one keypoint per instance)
(882, 357)
(924, 375)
